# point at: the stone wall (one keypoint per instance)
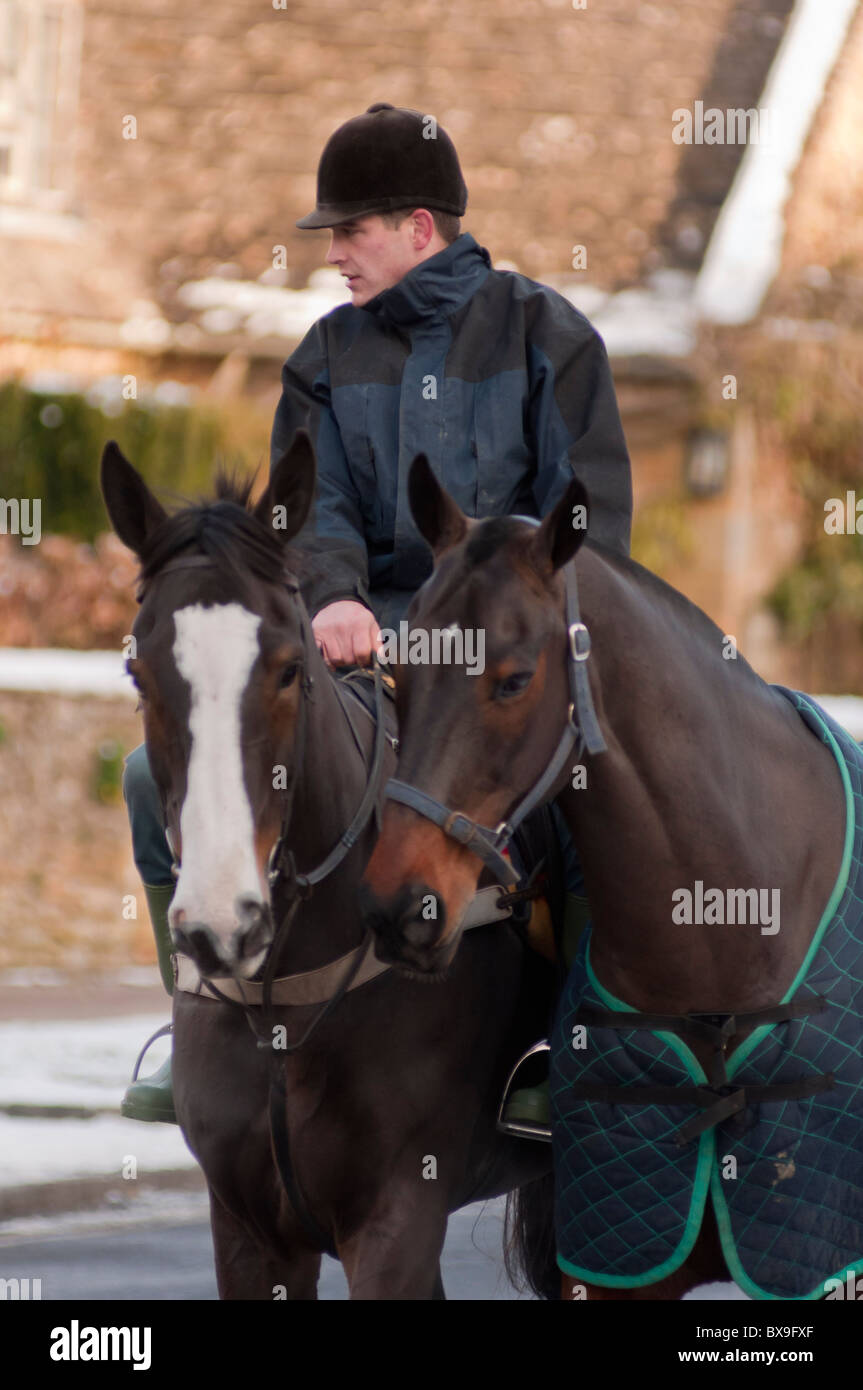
(562, 118)
(66, 855)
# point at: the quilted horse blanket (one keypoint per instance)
(778, 1144)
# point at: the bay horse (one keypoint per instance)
(388, 1108)
(708, 775)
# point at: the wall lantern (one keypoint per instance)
(707, 462)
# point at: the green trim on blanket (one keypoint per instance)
(701, 1182)
(740, 1054)
(708, 1176)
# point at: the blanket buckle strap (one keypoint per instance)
(724, 1097)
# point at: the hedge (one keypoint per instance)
(51, 444)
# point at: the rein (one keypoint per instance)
(581, 731)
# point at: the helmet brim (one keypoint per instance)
(332, 216)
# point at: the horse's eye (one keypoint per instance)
(512, 685)
(288, 676)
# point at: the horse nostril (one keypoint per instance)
(252, 934)
(423, 918)
(415, 920)
(249, 909)
(418, 932)
(200, 944)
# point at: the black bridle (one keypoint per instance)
(297, 888)
(581, 731)
(281, 861)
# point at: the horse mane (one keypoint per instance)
(494, 532)
(224, 528)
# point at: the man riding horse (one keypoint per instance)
(498, 379)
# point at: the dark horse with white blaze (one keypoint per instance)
(708, 774)
(389, 1107)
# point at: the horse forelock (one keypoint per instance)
(487, 538)
(225, 530)
(232, 487)
(483, 567)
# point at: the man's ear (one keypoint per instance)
(439, 519)
(563, 531)
(287, 499)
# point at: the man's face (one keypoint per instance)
(372, 256)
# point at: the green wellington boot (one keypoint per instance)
(526, 1112)
(152, 1098)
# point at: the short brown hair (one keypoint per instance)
(447, 225)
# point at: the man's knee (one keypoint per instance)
(149, 846)
(139, 787)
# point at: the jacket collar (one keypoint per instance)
(436, 287)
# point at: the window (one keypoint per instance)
(40, 48)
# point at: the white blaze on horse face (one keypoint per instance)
(215, 650)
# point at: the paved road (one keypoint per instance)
(127, 1260)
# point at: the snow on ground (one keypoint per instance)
(88, 1064)
(123, 1210)
(728, 1293)
(39, 1151)
(102, 673)
(64, 672)
(76, 1062)
(847, 710)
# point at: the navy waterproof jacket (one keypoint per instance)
(497, 379)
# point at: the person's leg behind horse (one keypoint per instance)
(151, 1098)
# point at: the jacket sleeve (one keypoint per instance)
(574, 419)
(333, 557)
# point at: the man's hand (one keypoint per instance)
(347, 633)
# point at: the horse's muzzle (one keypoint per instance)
(405, 935)
(212, 955)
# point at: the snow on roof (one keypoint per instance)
(656, 319)
(743, 256)
(262, 310)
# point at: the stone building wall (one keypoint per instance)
(66, 856)
(562, 117)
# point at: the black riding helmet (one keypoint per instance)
(388, 158)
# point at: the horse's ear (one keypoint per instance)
(287, 499)
(131, 506)
(563, 530)
(439, 519)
